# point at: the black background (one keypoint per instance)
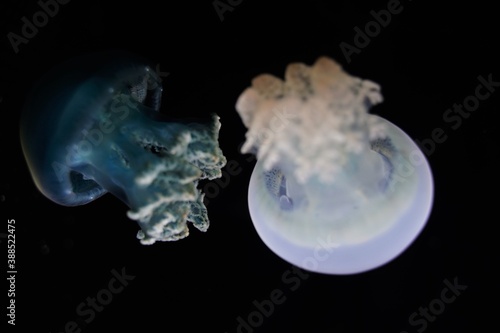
(428, 58)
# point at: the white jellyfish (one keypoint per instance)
(335, 189)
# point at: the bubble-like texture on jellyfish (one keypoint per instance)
(328, 174)
(92, 126)
(282, 115)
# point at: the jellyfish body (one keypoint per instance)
(93, 126)
(335, 189)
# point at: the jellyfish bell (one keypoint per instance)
(335, 190)
(92, 126)
(61, 108)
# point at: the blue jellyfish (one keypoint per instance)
(92, 126)
(335, 189)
